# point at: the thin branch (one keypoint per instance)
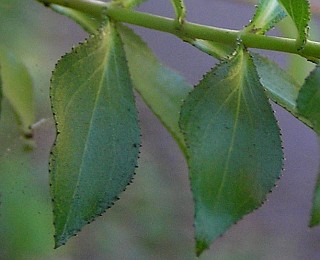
(189, 30)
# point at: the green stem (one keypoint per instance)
(188, 29)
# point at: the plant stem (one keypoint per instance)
(188, 29)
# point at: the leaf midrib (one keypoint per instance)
(240, 78)
(102, 65)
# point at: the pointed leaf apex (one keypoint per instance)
(201, 246)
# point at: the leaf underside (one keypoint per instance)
(299, 11)
(162, 89)
(88, 23)
(97, 146)
(215, 49)
(180, 9)
(281, 87)
(130, 3)
(268, 13)
(234, 147)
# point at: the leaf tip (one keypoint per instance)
(313, 222)
(58, 242)
(61, 238)
(201, 246)
(314, 219)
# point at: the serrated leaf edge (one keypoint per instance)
(205, 246)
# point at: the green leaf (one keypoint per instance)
(151, 79)
(17, 88)
(234, 146)
(315, 211)
(299, 11)
(308, 102)
(268, 13)
(218, 50)
(297, 65)
(129, 3)
(281, 87)
(91, 24)
(180, 9)
(0, 91)
(161, 88)
(97, 145)
(88, 23)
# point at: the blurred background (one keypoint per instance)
(153, 219)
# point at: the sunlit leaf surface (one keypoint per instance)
(299, 11)
(268, 14)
